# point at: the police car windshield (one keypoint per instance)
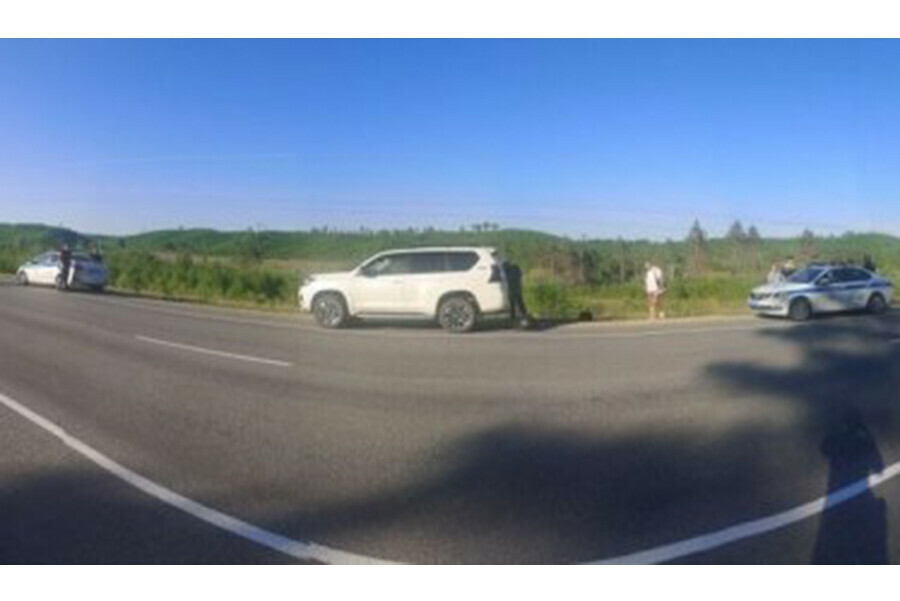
(805, 276)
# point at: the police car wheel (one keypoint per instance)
(876, 304)
(800, 310)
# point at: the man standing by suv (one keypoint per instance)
(517, 311)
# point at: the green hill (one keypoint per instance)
(706, 275)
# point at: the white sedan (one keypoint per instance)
(44, 270)
(823, 288)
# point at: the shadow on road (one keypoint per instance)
(855, 533)
(557, 495)
(487, 325)
(523, 491)
(846, 385)
(87, 517)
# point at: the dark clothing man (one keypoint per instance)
(517, 311)
(868, 263)
(65, 265)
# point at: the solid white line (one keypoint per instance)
(207, 351)
(312, 551)
(719, 538)
(573, 334)
(294, 548)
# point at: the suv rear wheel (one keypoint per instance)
(457, 314)
(330, 310)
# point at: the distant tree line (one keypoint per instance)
(238, 265)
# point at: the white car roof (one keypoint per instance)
(487, 249)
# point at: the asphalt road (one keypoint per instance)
(405, 444)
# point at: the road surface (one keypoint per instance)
(143, 431)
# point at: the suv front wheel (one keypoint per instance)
(457, 314)
(330, 310)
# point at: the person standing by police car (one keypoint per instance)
(65, 267)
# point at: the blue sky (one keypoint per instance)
(595, 138)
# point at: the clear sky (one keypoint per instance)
(595, 138)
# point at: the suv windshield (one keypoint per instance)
(805, 276)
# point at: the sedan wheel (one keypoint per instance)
(876, 304)
(800, 310)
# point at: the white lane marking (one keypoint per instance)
(576, 333)
(719, 538)
(298, 549)
(571, 335)
(312, 551)
(207, 351)
(148, 306)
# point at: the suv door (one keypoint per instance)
(381, 286)
(429, 279)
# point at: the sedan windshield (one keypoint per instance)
(805, 276)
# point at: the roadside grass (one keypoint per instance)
(272, 284)
(717, 295)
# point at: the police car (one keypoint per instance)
(823, 288)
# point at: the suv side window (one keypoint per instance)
(397, 264)
(461, 261)
(428, 262)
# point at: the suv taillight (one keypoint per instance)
(495, 274)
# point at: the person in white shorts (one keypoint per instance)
(653, 284)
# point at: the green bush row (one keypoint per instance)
(204, 280)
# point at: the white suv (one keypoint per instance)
(454, 285)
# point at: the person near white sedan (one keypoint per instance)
(823, 288)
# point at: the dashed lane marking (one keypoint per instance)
(208, 351)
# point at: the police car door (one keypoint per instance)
(838, 293)
(829, 294)
(857, 287)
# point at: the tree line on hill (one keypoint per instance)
(211, 264)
